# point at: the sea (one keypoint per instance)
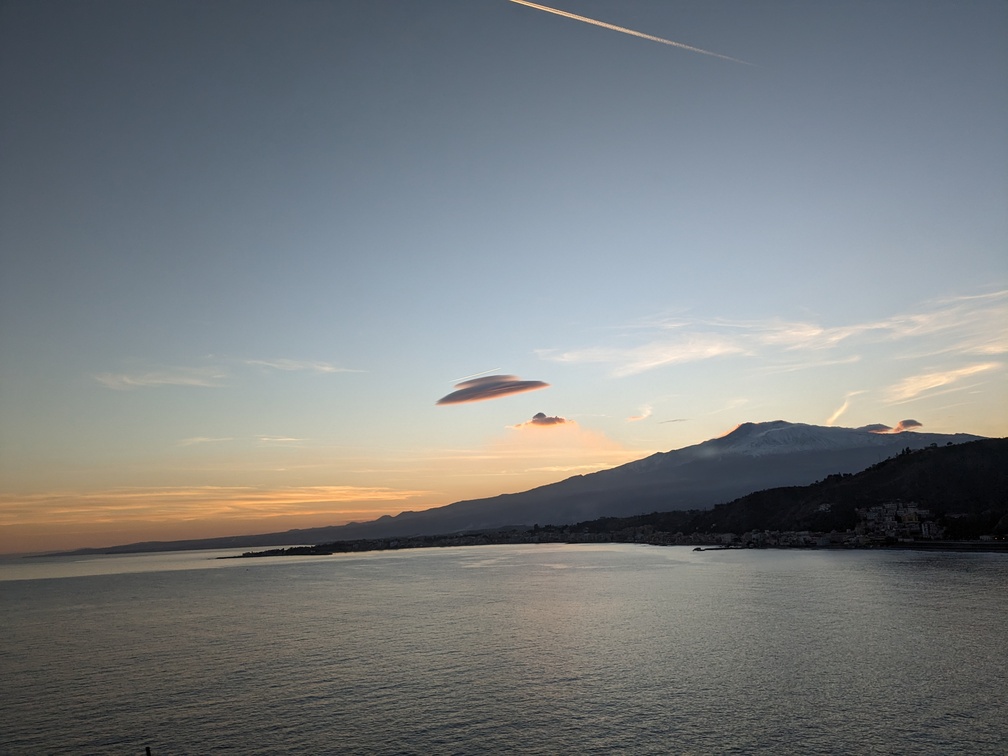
(529, 649)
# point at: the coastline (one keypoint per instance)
(525, 537)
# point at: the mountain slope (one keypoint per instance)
(753, 457)
(965, 486)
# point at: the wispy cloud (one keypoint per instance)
(489, 387)
(807, 364)
(638, 359)
(279, 440)
(301, 366)
(840, 410)
(731, 405)
(915, 386)
(645, 412)
(623, 30)
(210, 376)
(831, 420)
(181, 376)
(957, 327)
(198, 440)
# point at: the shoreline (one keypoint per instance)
(440, 542)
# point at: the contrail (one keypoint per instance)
(631, 32)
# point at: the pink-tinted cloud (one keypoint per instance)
(901, 427)
(489, 387)
(831, 420)
(645, 413)
(911, 388)
(543, 420)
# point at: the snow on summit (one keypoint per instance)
(781, 437)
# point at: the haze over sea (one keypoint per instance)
(530, 649)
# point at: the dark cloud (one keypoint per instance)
(901, 426)
(540, 418)
(876, 428)
(489, 387)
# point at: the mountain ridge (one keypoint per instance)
(964, 486)
(752, 457)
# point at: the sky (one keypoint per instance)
(272, 265)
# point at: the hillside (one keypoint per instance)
(965, 486)
(753, 457)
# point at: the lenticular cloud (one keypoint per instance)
(489, 387)
(541, 418)
(901, 427)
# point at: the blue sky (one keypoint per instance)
(247, 246)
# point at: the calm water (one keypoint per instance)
(531, 649)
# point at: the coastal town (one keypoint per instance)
(894, 524)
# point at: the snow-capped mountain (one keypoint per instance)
(753, 457)
(780, 437)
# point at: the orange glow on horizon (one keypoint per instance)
(517, 459)
(65, 520)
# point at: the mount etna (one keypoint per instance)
(753, 457)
